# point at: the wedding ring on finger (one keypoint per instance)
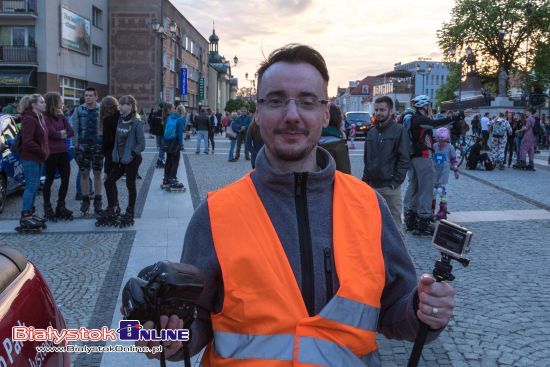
(435, 310)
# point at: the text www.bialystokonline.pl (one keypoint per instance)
(70, 348)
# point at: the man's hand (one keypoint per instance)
(436, 302)
(170, 348)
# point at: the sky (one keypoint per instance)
(357, 38)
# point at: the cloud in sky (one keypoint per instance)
(356, 37)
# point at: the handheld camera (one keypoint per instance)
(452, 240)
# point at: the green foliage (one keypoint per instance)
(476, 23)
(446, 91)
(541, 66)
(235, 104)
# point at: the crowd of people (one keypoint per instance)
(106, 139)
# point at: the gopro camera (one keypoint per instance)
(452, 240)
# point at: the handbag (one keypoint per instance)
(230, 134)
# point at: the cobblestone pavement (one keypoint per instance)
(501, 318)
(13, 204)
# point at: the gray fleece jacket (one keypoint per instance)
(277, 191)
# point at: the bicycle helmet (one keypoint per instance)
(442, 134)
(421, 101)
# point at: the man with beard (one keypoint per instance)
(274, 247)
(387, 156)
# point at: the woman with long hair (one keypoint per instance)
(128, 144)
(33, 153)
(59, 130)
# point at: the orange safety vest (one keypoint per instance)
(264, 321)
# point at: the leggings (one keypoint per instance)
(55, 162)
(119, 169)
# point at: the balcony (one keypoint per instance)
(18, 8)
(18, 55)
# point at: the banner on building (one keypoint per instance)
(183, 81)
(75, 32)
(201, 89)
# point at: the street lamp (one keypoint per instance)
(158, 28)
(252, 85)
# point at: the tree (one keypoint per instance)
(446, 92)
(235, 104)
(476, 23)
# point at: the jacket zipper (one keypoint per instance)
(328, 273)
(304, 235)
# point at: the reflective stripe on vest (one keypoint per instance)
(351, 313)
(280, 347)
(264, 321)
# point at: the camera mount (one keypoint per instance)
(453, 242)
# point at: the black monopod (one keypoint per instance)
(453, 242)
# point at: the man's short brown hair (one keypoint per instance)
(294, 53)
(385, 99)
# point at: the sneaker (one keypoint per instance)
(205, 152)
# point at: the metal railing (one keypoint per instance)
(17, 55)
(18, 6)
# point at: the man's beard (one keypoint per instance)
(293, 156)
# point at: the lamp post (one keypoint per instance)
(158, 28)
(252, 85)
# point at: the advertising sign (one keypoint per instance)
(75, 32)
(183, 81)
(201, 89)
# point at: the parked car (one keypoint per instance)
(26, 299)
(11, 171)
(360, 119)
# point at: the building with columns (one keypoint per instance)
(221, 84)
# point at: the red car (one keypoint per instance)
(26, 299)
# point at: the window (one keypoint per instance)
(192, 47)
(186, 43)
(172, 63)
(365, 89)
(97, 55)
(71, 91)
(97, 17)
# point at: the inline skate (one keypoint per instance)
(85, 205)
(61, 212)
(27, 224)
(49, 214)
(127, 219)
(108, 218)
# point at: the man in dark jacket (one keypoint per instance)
(243, 121)
(202, 125)
(387, 156)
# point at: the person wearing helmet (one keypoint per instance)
(418, 198)
(444, 158)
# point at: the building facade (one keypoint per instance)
(149, 63)
(54, 45)
(221, 84)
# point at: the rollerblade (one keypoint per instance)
(61, 212)
(98, 205)
(165, 185)
(85, 205)
(27, 224)
(520, 165)
(38, 219)
(108, 218)
(160, 163)
(49, 214)
(530, 167)
(127, 219)
(176, 186)
(442, 214)
(424, 227)
(411, 220)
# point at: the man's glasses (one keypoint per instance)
(302, 103)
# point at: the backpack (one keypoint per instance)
(499, 128)
(407, 125)
(170, 128)
(537, 128)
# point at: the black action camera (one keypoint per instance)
(165, 288)
(452, 240)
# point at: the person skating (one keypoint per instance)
(34, 151)
(128, 145)
(418, 197)
(444, 158)
(173, 140)
(59, 130)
